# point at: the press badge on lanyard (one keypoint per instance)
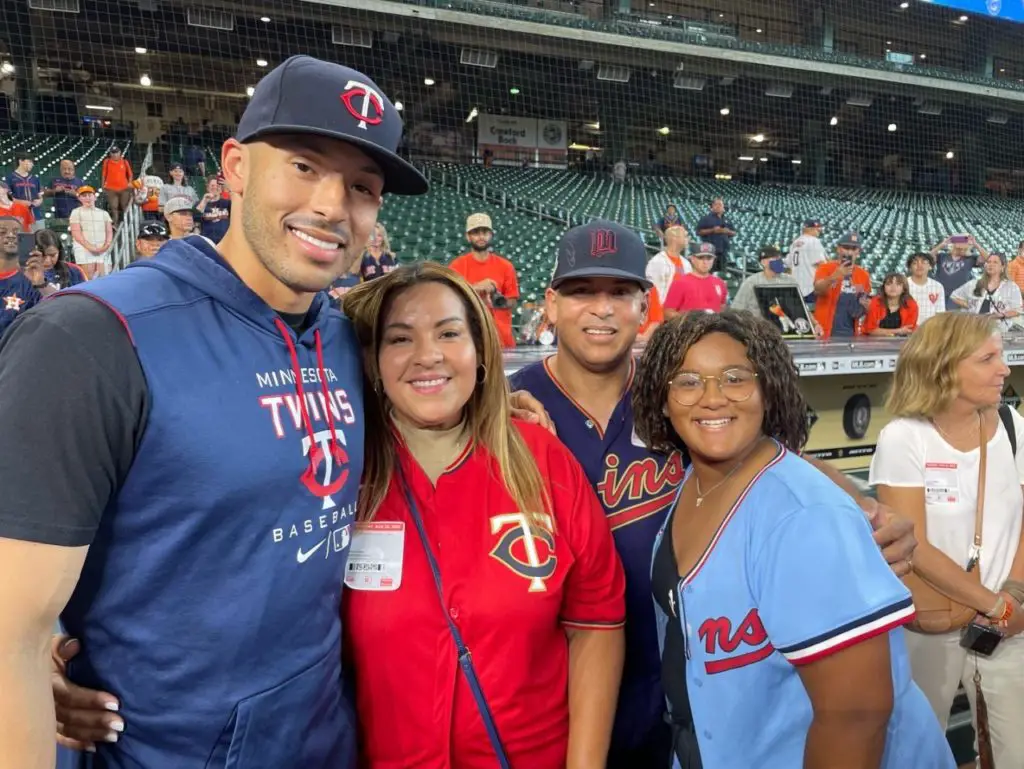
(941, 485)
(375, 556)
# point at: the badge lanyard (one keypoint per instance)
(465, 658)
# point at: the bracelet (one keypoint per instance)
(1007, 612)
(998, 610)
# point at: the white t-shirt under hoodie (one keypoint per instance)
(912, 453)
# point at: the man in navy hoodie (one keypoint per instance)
(203, 411)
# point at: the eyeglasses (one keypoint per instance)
(736, 384)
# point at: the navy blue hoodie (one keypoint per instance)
(209, 601)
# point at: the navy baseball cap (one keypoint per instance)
(769, 251)
(851, 240)
(703, 248)
(174, 166)
(809, 223)
(308, 96)
(601, 249)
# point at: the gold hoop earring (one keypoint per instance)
(481, 374)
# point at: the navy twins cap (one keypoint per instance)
(308, 96)
(601, 249)
(850, 239)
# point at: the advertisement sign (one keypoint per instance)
(511, 132)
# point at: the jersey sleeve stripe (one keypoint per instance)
(580, 625)
(876, 623)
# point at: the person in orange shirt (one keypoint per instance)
(843, 290)
(492, 277)
(1015, 269)
(14, 208)
(894, 311)
(117, 184)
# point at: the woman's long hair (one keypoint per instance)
(47, 239)
(487, 413)
(904, 288)
(981, 286)
(925, 380)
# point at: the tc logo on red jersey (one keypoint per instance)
(719, 638)
(602, 243)
(363, 103)
(529, 552)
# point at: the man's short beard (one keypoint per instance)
(481, 249)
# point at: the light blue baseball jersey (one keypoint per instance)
(791, 576)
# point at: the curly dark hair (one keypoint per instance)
(785, 409)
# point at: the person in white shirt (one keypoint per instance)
(805, 254)
(92, 232)
(668, 264)
(924, 289)
(945, 395)
(992, 294)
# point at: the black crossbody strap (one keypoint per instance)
(1011, 428)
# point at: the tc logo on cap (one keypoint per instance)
(370, 110)
(602, 243)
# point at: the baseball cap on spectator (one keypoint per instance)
(702, 248)
(478, 222)
(809, 223)
(601, 249)
(850, 240)
(308, 96)
(115, 150)
(177, 205)
(769, 252)
(85, 189)
(153, 230)
(173, 166)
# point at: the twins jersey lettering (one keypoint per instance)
(775, 590)
(636, 488)
(512, 583)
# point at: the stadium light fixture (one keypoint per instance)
(757, 138)
(514, 91)
(892, 127)
(664, 130)
(399, 106)
(139, 49)
(746, 157)
(796, 161)
(963, 18)
(249, 91)
(904, 6)
(99, 107)
(428, 81)
(145, 80)
(261, 62)
(759, 30)
(265, 19)
(888, 42)
(472, 115)
(950, 155)
(764, 160)
(924, 56)
(724, 111)
(834, 121)
(6, 68)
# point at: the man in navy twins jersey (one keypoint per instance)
(597, 302)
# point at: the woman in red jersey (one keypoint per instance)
(526, 569)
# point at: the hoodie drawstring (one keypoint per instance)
(316, 454)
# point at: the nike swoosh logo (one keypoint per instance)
(302, 557)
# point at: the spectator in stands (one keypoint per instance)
(806, 254)
(57, 272)
(715, 229)
(619, 171)
(893, 312)
(14, 208)
(1015, 269)
(944, 401)
(378, 258)
(215, 211)
(64, 189)
(180, 216)
(117, 184)
(26, 187)
(779, 622)
(671, 262)
(670, 218)
(843, 290)
(92, 232)
(195, 159)
(492, 277)
(773, 273)
(698, 289)
(178, 188)
(345, 283)
(152, 235)
(924, 289)
(954, 264)
(150, 198)
(992, 294)
(17, 289)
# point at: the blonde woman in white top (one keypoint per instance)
(929, 294)
(993, 294)
(946, 391)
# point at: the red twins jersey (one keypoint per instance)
(511, 591)
(636, 487)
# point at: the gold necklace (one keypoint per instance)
(702, 494)
(946, 435)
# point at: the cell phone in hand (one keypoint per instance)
(26, 245)
(982, 639)
(960, 239)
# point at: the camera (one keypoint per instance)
(982, 639)
(499, 300)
